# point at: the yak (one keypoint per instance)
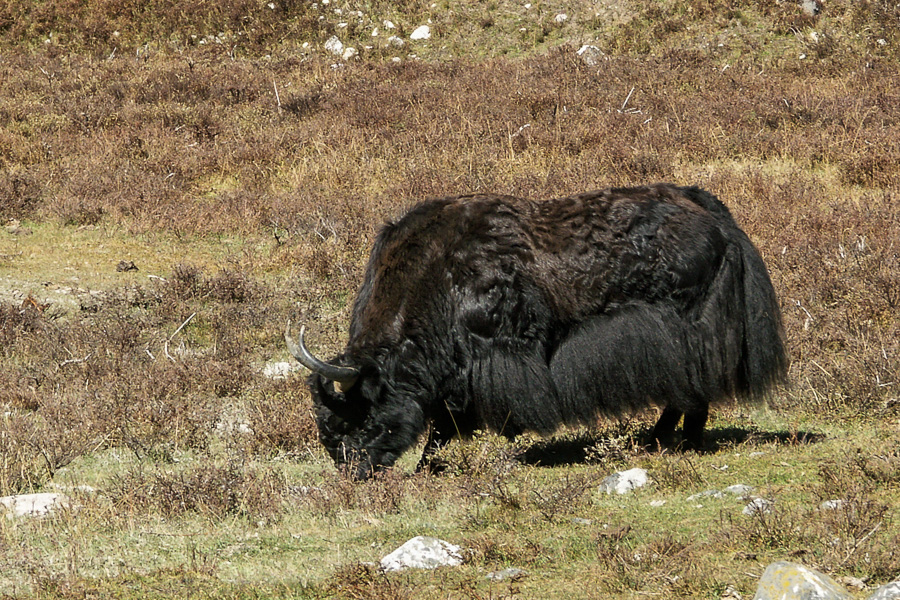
(495, 312)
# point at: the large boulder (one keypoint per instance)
(423, 552)
(789, 581)
(890, 591)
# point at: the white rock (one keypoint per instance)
(758, 506)
(831, 505)
(510, 573)
(334, 45)
(706, 494)
(890, 591)
(279, 370)
(34, 505)
(349, 52)
(657, 503)
(624, 481)
(811, 7)
(388, 25)
(739, 489)
(421, 33)
(561, 18)
(395, 41)
(422, 552)
(590, 55)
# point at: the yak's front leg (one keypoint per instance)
(439, 436)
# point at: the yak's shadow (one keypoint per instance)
(580, 447)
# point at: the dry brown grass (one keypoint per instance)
(252, 137)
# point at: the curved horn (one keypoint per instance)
(343, 377)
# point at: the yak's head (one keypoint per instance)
(363, 423)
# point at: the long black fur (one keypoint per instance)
(496, 312)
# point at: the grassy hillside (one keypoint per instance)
(244, 169)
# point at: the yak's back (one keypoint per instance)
(582, 252)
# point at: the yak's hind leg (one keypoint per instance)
(694, 423)
(663, 435)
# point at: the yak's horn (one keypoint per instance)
(343, 377)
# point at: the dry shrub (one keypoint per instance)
(282, 419)
(20, 192)
(36, 443)
(214, 491)
(189, 282)
(676, 472)
(664, 561)
(562, 497)
(386, 493)
(856, 534)
(491, 549)
(484, 455)
(102, 26)
(366, 582)
(781, 529)
(17, 321)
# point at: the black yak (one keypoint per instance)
(494, 312)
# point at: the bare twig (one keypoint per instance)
(72, 361)
(180, 327)
(860, 541)
(277, 96)
(627, 98)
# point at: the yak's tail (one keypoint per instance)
(764, 355)
(763, 359)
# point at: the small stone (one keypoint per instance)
(852, 582)
(349, 53)
(422, 552)
(126, 265)
(758, 506)
(739, 490)
(811, 7)
(561, 18)
(334, 45)
(590, 55)
(581, 521)
(831, 505)
(790, 581)
(510, 573)
(421, 33)
(706, 494)
(624, 481)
